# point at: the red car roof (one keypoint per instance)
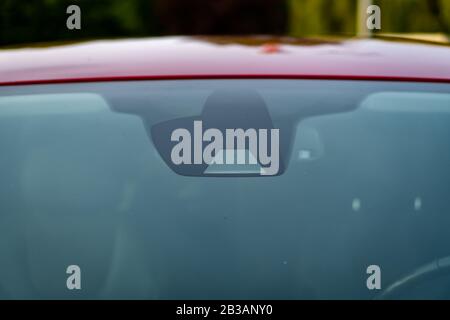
(221, 57)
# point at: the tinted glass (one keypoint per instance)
(364, 180)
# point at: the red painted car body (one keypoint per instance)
(208, 57)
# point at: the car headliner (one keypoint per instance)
(225, 57)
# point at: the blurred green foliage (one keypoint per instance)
(415, 15)
(45, 20)
(308, 17)
(25, 21)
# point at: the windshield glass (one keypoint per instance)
(360, 178)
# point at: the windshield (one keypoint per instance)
(361, 179)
